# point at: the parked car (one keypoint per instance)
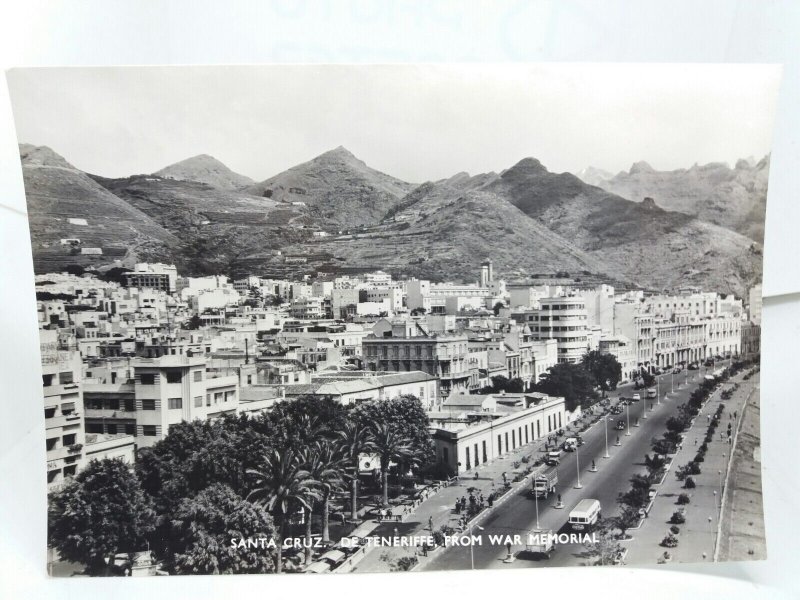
(620, 425)
(693, 366)
(677, 370)
(636, 397)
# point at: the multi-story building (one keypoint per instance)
(754, 304)
(153, 275)
(63, 409)
(751, 338)
(404, 346)
(624, 351)
(563, 319)
(157, 394)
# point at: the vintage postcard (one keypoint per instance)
(355, 319)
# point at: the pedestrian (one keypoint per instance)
(395, 532)
(389, 512)
(481, 498)
(491, 500)
(458, 506)
(382, 514)
(430, 523)
(476, 476)
(425, 550)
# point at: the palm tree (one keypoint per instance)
(282, 485)
(391, 446)
(354, 440)
(326, 469)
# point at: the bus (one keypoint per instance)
(585, 514)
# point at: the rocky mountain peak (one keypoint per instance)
(42, 156)
(649, 203)
(641, 167)
(204, 168)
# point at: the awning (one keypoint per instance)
(333, 556)
(318, 567)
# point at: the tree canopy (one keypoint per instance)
(571, 381)
(604, 368)
(204, 525)
(101, 512)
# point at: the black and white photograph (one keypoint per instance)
(383, 318)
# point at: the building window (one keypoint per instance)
(148, 404)
(65, 377)
(198, 401)
(513, 439)
(198, 376)
(475, 454)
(208, 399)
(148, 430)
(483, 448)
(111, 428)
(51, 443)
(70, 470)
(148, 378)
(499, 444)
(130, 429)
(559, 419)
(174, 377)
(47, 380)
(69, 439)
(175, 402)
(507, 446)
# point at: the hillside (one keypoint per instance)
(336, 189)
(219, 230)
(446, 232)
(353, 218)
(732, 198)
(650, 245)
(66, 204)
(205, 169)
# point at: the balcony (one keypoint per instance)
(108, 413)
(62, 420)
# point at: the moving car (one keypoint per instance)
(553, 458)
(651, 392)
(636, 397)
(620, 425)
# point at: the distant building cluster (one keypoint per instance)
(122, 363)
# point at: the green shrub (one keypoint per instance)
(689, 483)
(677, 518)
(683, 499)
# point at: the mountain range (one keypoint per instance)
(734, 198)
(335, 214)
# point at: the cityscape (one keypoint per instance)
(426, 411)
(423, 333)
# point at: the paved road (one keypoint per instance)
(517, 515)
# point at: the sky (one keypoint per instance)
(415, 122)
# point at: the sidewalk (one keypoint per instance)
(696, 540)
(440, 507)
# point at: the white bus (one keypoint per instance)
(585, 514)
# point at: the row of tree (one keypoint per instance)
(237, 477)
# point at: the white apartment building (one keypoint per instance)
(162, 392)
(563, 319)
(63, 409)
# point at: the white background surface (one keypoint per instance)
(200, 32)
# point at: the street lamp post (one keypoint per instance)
(536, 500)
(672, 381)
(628, 419)
(471, 545)
(578, 469)
(607, 455)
